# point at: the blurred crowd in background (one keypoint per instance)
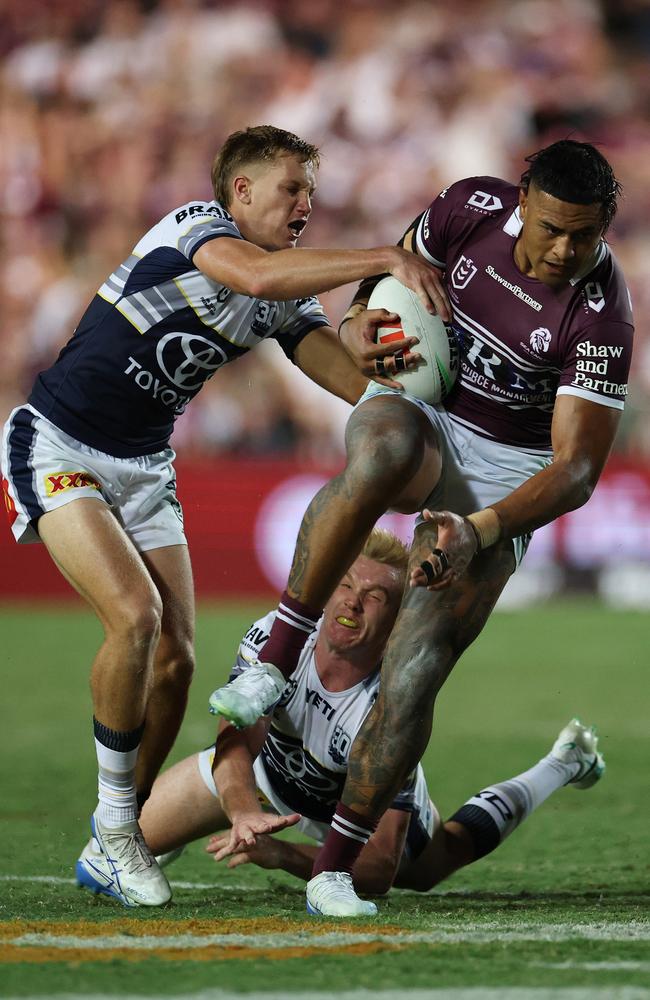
(111, 112)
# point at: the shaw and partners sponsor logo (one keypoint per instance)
(593, 360)
(515, 289)
(59, 482)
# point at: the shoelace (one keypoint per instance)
(256, 681)
(336, 882)
(133, 852)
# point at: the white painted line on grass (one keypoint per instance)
(59, 880)
(621, 966)
(473, 932)
(452, 993)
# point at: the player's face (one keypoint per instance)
(363, 608)
(278, 202)
(558, 237)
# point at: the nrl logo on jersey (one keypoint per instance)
(540, 340)
(463, 272)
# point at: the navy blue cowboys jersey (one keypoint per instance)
(154, 333)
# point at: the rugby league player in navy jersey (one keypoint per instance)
(544, 322)
(87, 467)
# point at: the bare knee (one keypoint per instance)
(389, 452)
(136, 622)
(174, 667)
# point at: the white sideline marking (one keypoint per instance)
(451, 993)
(631, 966)
(59, 880)
(227, 885)
(474, 932)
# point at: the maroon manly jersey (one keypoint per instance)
(522, 343)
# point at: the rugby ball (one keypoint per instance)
(434, 377)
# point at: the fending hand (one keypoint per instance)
(455, 548)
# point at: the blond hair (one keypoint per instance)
(384, 547)
(260, 143)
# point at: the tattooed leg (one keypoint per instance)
(431, 632)
(393, 462)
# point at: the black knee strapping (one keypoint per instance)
(481, 827)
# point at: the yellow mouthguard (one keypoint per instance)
(346, 621)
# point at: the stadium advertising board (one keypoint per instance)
(242, 518)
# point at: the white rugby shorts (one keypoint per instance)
(425, 818)
(476, 471)
(43, 469)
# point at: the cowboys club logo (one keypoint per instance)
(463, 272)
(540, 340)
(188, 360)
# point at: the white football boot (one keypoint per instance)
(253, 694)
(118, 863)
(578, 744)
(331, 894)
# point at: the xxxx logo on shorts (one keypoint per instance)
(58, 482)
(10, 506)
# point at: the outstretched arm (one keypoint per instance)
(321, 356)
(235, 781)
(294, 274)
(374, 872)
(582, 434)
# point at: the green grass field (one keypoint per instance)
(562, 906)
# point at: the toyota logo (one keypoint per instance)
(188, 360)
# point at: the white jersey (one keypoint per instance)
(303, 764)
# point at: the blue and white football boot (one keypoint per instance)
(118, 863)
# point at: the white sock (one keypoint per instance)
(116, 786)
(493, 813)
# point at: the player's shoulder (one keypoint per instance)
(194, 213)
(479, 197)
(197, 211)
(604, 290)
(255, 636)
(254, 639)
(187, 226)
